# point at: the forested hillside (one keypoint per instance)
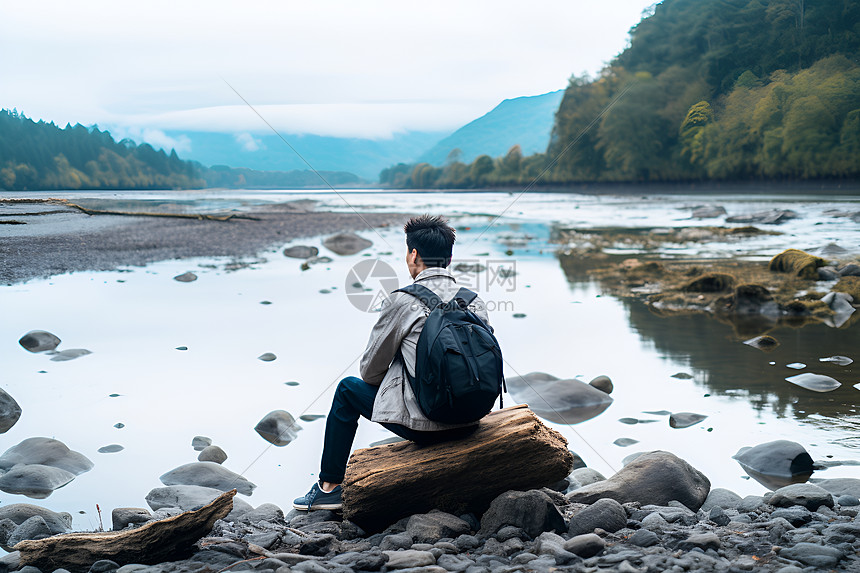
(716, 90)
(41, 156)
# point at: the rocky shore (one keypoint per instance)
(578, 525)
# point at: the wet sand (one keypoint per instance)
(54, 239)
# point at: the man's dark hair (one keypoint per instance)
(432, 237)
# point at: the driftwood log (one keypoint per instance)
(511, 450)
(158, 541)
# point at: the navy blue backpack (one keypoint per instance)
(458, 367)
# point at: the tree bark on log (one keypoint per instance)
(155, 542)
(511, 450)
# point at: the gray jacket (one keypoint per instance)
(398, 328)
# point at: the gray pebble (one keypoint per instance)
(644, 538)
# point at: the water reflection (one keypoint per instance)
(726, 366)
(560, 401)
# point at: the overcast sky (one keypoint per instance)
(354, 68)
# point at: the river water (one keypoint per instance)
(134, 319)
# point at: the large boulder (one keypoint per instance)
(653, 478)
(532, 511)
(10, 411)
(34, 480)
(47, 452)
(39, 341)
(33, 528)
(346, 243)
(776, 464)
(208, 474)
(278, 427)
(560, 401)
(18, 513)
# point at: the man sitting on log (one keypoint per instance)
(383, 394)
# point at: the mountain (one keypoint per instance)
(735, 90)
(266, 152)
(525, 121)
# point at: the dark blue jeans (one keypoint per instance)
(352, 400)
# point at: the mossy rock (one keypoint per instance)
(715, 282)
(850, 285)
(752, 293)
(797, 263)
(640, 269)
(801, 307)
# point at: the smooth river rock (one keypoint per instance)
(814, 382)
(346, 243)
(208, 474)
(212, 454)
(48, 452)
(186, 277)
(301, 252)
(278, 427)
(199, 443)
(34, 480)
(10, 411)
(808, 495)
(685, 419)
(653, 478)
(606, 514)
(776, 464)
(39, 341)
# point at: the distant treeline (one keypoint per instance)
(723, 90)
(242, 178)
(41, 156)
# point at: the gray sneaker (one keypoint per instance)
(318, 499)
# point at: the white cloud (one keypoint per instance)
(101, 61)
(155, 137)
(368, 120)
(248, 142)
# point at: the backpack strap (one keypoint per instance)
(464, 297)
(422, 293)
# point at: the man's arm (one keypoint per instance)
(384, 342)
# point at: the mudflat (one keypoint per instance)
(42, 238)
